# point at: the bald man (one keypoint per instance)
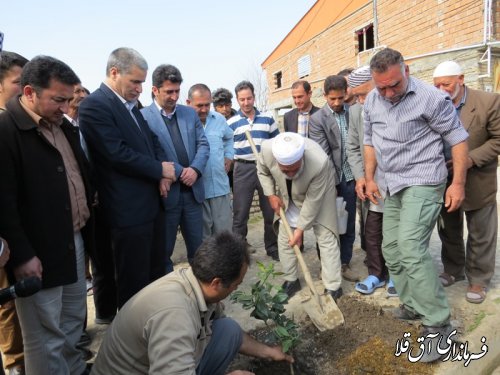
(296, 174)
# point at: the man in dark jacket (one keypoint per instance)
(45, 204)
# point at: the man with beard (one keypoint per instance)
(301, 173)
(479, 113)
(297, 120)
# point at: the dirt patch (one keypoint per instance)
(364, 345)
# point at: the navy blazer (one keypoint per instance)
(126, 157)
(195, 143)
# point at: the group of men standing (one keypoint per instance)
(148, 172)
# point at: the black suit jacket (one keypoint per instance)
(126, 158)
(291, 119)
(35, 206)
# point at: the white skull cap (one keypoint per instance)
(288, 148)
(446, 69)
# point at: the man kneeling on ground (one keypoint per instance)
(176, 324)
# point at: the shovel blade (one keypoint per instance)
(326, 315)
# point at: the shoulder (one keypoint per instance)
(184, 110)
(263, 118)
(482, 96)
(290, 114)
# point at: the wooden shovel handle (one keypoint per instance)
(303, 265)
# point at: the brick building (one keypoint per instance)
(337, 34)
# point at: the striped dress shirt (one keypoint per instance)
(261, 128)
(408, 136)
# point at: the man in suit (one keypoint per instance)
(181, 135)
(329, 127)
(130, 171)
(480, 116)
(297, 175)
(45, 207)
(297, 120)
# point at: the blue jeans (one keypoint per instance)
(224, 344)
(188, 214)
(347, 191)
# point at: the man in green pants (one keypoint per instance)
(406, 121)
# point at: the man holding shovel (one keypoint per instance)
(297, 175)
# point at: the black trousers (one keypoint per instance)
(103, 270)
(140, 256)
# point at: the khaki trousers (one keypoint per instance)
(330, 256)
(11, 339)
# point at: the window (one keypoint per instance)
(304, 66)
(365, 38)
(277, 79)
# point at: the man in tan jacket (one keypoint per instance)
(296, 174)
(480, 115)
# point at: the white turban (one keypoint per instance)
(288, 148)
(446, 69)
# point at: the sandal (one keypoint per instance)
(475, 294)
(391, 290)
(446, 279)
(368, 285)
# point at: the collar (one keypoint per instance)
(196, 287)
(337, 113)
(245, 116)
(71, 120)
(462, 101)
(162, 111)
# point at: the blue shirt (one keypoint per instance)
(262, 127)
(220, 139)
(408, 136)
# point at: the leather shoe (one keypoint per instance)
(433, 339)
(274, 254)
(349, 274)
(336, 294)
(291, 287)
(403, 313)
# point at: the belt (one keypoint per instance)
(245, 161)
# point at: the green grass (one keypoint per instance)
(497, 300)
(477, 321)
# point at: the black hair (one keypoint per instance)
(8, 60)
(42, 69)
(222, 255)
(166, 72)
(335, 82)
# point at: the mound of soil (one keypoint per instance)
(364, 345)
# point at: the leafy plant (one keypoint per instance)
(267, 302)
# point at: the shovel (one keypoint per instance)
(322, 309)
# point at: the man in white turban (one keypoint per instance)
(480, 115)
(296, 174)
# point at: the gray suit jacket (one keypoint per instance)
(355, 152)
(324, 130)
(313, 192)
(195, 143)
(291, 118)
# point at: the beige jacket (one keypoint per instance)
(313, 192)
(480, 116)
(160, 330)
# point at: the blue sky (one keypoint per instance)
(218, 42)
